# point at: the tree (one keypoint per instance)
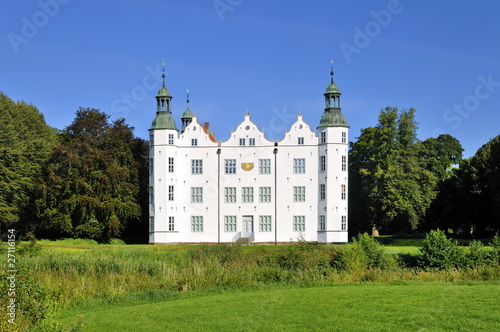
(25, 144)
(90, 185)
(389, 187)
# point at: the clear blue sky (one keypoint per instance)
(268, 57)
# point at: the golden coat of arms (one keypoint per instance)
(247, 166)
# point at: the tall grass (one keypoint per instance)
(115, 275)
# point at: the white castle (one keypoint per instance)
(248, 189)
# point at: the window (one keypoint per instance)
(171, 224)
(301, 141)
(322, 137)
(242, 141)
(322, 163)
(151, 139)
(251, 141)
(151, 165)
(170, 138)
(196, 166)
(299, 165)
(343, 223)
(194, 141)
(151, 224)
(229, 223)
(299, 223)
(265, 224)
(299, 194)
(322, 223)
(264, 166)
(230, 195)
(230, 166)
(170, 164)
(196, 223)
(344, 137)
(344, 163)
(196, 194)
(265, 194)
(322, 191)
(170, 193)
(247, 194)
(343, 191)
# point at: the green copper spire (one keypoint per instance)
(163, 119)
(332, 117)
(187, 116)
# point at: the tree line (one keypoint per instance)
(398, 183)
(90, 180)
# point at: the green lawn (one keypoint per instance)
(367, 307)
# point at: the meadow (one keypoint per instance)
(72, 285)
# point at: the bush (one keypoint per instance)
(362, 253)
(440, 252)
(476, 256)
(495, 253)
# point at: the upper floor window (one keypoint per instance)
(322, 163)
(242, 141)
(322, 137)
(170, 164)
(230, 166)
(322, 191)
(344, 137)
(194, 141)
(170, 193)
(299, 165)
(301, 141)
(230, 194)
(196, 194)
(196, 166)
(264, 194)
(344, 163)
(264, 166)
(170, 138)
(299, 194)
(251, 141)
(247, 194)
(343, 191)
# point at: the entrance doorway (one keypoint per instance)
(248, 224)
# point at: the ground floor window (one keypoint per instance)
(343, 224)
(229, 223)
(322, 223)
(299, 223)
(196, 223)
(265, 224)
(171, 224)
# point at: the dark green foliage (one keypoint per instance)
(477, 255)
(390, 180)
(25, 144)
(495, 253)
(469, 200)
(90, 185)
(440, 252)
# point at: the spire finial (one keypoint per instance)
(331, 70)
(187, 98)
(163, 69)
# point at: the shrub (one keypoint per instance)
(476, 256)
(440, 252)
(495, 252)
(362, 253)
